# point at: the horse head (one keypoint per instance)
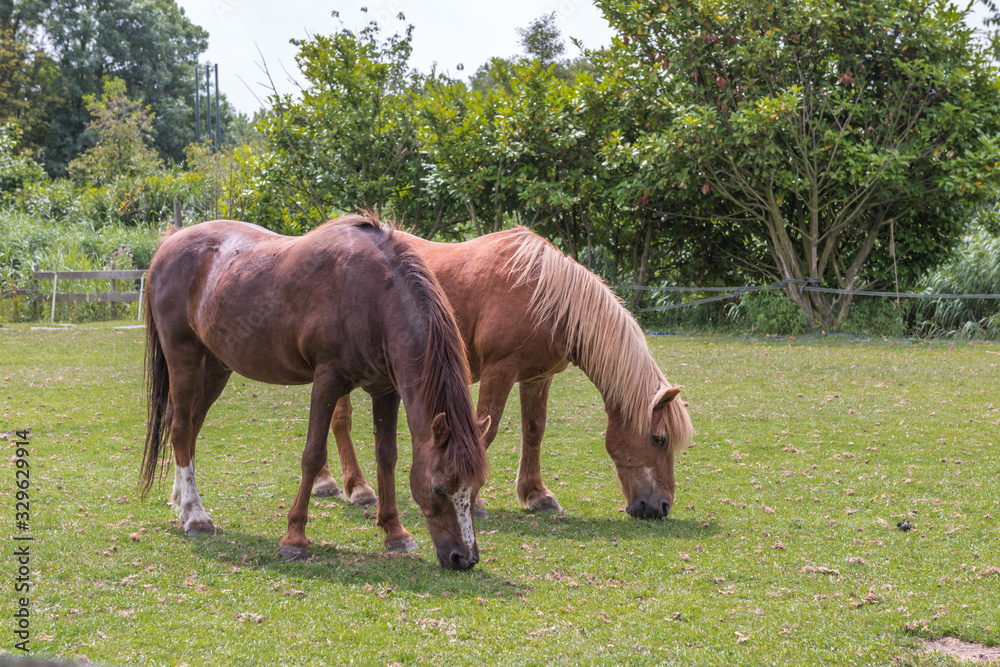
(644, 457)
(445, 483)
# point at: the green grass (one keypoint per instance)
(807, 455)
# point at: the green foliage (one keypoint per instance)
(17, 169)
(542, 40)
(974, 268)
(769, 313)
(348, 141)
(149, 44)
(874, 317)
(26, 75)
(122, 128)
(815, 129)
(236, 184)
(26, 242)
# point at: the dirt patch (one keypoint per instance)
(964, 651)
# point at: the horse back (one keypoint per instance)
(491, 305)
(275, 308)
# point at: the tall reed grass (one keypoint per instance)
(973, 269)
(27, 242)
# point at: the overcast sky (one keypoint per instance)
(448, 32)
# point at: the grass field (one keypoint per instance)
(782, 547)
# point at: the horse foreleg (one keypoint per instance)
(495, 383)
(531, 491)
(325, 392)
(385, 412)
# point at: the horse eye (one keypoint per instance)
(659, 440)
(439, 490)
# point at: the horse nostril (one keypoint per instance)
(665, 508)
(458, 562)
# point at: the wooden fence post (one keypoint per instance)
(114, 288)
(177, 213)
(55, 281)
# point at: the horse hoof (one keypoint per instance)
(326, 489)
(290, 552)
(364, 497)
(545, 504)
(403, 544)
(199, 527)
(479, 509)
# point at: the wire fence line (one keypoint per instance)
(810, 285)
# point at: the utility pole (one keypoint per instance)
(218, 117)
(197, 106)
(208, 95)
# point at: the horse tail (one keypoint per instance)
(157, 380)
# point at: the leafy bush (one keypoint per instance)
(973, 269)
(16, 169)
(876, 317)
(49, 200)
(769, 313)
(26, 242)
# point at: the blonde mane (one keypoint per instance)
(601, 334)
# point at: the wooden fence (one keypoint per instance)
(113, 297)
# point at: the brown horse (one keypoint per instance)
(347, 305)
(526, 311)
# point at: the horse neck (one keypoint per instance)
(432, 374)
(405, 349)
(596, 330)
(622, 370)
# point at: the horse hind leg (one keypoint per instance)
(356, 489)
(196, 387)
(531, 490)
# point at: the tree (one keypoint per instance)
(16, 167)
(122, 128)
(826, 133)
(26, 75)
(542, 40)
(148, 44)
(349, 139)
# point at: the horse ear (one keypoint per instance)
(439, 427)
(484, 424)
(663, 398)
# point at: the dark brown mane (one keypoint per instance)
(445, 377)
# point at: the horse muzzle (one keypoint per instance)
(458, 559)
(648, 508)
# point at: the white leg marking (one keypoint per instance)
(462, 500)
(175, 495)
(188, 498)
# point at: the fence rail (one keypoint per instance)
(114, 296)
(803, 286)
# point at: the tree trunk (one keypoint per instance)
(475, 220)
(641, 264)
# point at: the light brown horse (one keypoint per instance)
(526, 311)
(347, 305)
